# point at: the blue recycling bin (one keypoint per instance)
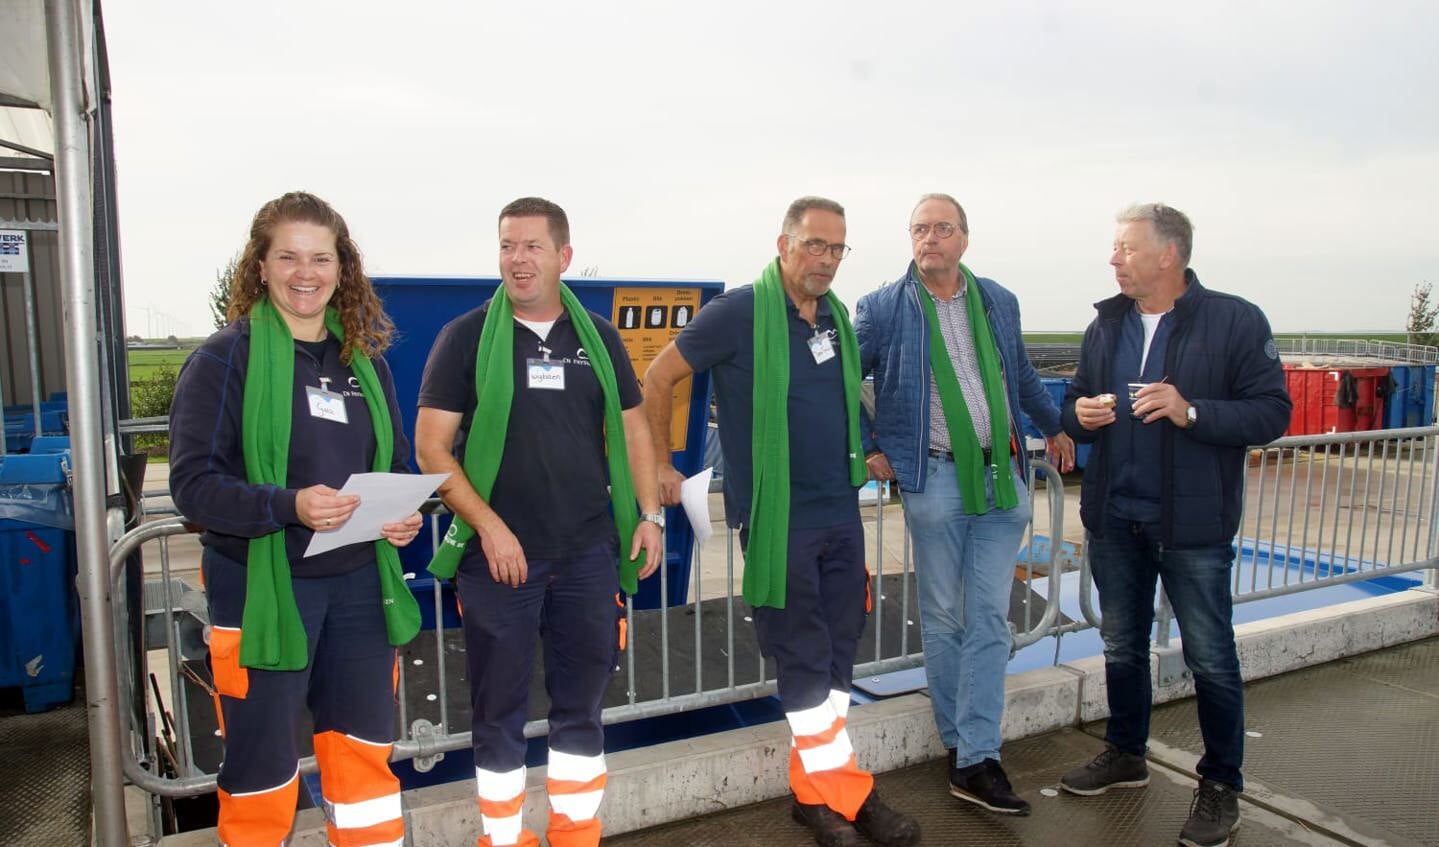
(647, 313)
(39, 611)
(50, 444)
(1412, 403)
(18, 435)
(1056, 386)
(20, 425)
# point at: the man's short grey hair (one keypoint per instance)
(1171, 226)
(804, 204)
(963, 218)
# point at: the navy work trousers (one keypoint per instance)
(570, 604)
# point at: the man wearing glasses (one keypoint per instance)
(950, 369)
(786, 376)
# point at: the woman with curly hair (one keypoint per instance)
(270, 417)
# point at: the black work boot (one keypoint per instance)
(1213, 816)
(884, 825)
(1110, 769)
(986, 785)
(828, 827)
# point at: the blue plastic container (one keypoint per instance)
(53, 421)
(1056, 386)
(38, 606)
(421, 306)
(50, 444)
(18, 436)
(1412, 403)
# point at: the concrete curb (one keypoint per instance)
(685, 779)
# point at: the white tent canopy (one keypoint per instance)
(26, 100)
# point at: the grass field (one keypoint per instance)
(144, 363)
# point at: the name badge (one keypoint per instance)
(821, 348)
(546, 374)
(328, 405)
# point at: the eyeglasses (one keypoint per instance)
(943, 229)
(818, 247)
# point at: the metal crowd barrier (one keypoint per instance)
(1324, 510)
(1359, 347)
(424, 740)
(1319, 511)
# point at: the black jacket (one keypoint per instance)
(1222, 359)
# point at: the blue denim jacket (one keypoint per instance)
(894, 347)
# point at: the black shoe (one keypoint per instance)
(1110, 769)
(986, 785)
(1213, 816)
(885, 826)
(828, 827)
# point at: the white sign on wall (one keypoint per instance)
(14, 258)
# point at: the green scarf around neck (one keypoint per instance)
(766, 558)
(485, 444)
(969, 464)
(272, 637)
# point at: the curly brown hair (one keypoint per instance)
(367, 328)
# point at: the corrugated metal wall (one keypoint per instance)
(30, 197)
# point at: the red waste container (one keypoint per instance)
(1359, 395)
(1335, 399)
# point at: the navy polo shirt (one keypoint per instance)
(552, 488)
(1134, 453)
(720, 339)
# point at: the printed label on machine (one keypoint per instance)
(648, 319)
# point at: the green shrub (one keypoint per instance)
(150, 397)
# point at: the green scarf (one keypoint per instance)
(272, 635)
(485, 445)
(766, 558)
(969, 464)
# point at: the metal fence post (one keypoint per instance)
(74, 205)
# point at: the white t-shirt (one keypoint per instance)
(1151, 324)
(542, 328)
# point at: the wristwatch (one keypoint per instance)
(656, 518)
(1191, 417)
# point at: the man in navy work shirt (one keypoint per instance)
(544, 554)
(1162, 494)
(788, 338)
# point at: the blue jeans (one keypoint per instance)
(1126, 561)
(965, 565)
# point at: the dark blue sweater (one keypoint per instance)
(207, 465)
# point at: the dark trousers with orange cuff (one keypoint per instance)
(572, 605)
(349, 688)
(813, 641)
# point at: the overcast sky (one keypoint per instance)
(1301, 138)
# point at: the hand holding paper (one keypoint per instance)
(695, 497)
(385, 498)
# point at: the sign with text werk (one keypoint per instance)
(14, 258)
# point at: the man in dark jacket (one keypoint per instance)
(1174, 383)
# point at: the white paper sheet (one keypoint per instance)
(384, 498)
(695, 497)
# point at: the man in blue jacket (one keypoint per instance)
(1162, 491)
(950, 370)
